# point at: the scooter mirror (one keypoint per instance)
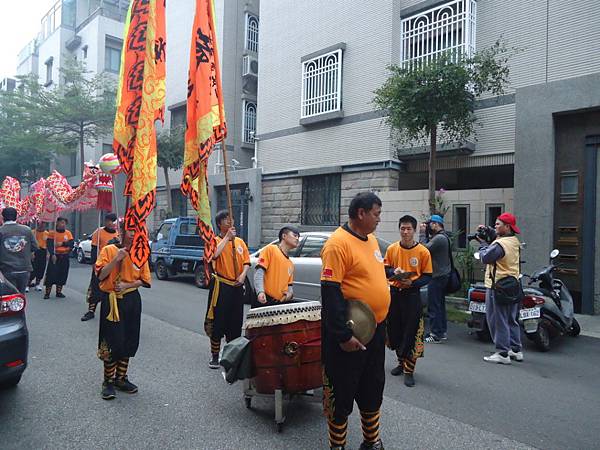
(554, 253)
(477, 256)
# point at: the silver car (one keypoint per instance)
(307, 264)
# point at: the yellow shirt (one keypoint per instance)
(279, 271)
(127, 271)
(357, 265)
(416, 259)
(507, 265)
(223, 264)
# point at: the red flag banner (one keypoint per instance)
(140, 103)
(205, 118)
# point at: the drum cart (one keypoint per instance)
(280, 399)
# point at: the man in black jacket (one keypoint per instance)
(17, 243)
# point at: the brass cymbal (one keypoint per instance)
(361, 321)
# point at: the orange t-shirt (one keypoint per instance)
(41, 237)
(105, 238)
(279, 271)
(357, 266)
(416, 259)
(128, 273)
(59, 238)
(223, 264)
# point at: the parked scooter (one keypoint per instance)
(555, 302)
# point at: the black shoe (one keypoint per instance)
(108, 390)
(60, 295)
(87, 316)
(371, 445)
(409, 379)
(123, 384)
(46, 296)
(397, 371)
(214, 362)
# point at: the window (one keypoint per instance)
(163, 231)
(84, 51)
(107, 148)
(179, 202)
(321, 200)
(312, 247)
(322, 84)
(249, 122)
(252, 33)
(460, 221)
(49, 66)
(179, 116)
(112, 55)
(446, 28)
(492, 212)
(569, 186)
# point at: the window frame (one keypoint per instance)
(335, 199)
(247, 133)
(488, 218)
(457, 232)
(251, 34)
(319, 61)
(322, 239)
(112, 45)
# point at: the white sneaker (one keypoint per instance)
(517, 356)
(38, 288)
(497, 358)
(27, 289)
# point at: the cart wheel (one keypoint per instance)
(280, 427)
(248, 401)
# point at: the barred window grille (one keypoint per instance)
(322, 84)
(446, 28)
(321, 200)
(249, 122)
(252, 33)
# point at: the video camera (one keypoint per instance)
(488, 234)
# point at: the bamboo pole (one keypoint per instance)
(229, 205)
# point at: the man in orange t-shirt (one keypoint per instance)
(59, 244)
(353, 371)
(408, 264)
(120, 313)
(225, 309)
(100, 239)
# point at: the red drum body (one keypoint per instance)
(286, 347)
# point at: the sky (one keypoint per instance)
(20, 21)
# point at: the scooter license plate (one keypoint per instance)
(477, 307)
(184, 266)
(529, 313)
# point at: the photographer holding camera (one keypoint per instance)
(502, 259)
(433, 236)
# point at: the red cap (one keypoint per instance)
(511, 221)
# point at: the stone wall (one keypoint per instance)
(370, 180)
(281, 205)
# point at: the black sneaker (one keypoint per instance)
(409, 379)
(371, 445)
(87, 316)
(108, 390)
(46, 296)
(433, 339)
(123, 384)
(397, 371)
(60, 295)
(214, 362)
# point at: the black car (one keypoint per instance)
(14, 337)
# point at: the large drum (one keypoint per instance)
(286, 347)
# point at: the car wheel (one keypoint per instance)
(575, 329)
(161, 270)
(484, 335)
(11, 382)
(542, 338)
(200, 276)
(80, 256)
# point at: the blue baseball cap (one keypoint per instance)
(437, 218)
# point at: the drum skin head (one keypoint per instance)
(361, 321)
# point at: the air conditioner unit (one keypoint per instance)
(249, 66)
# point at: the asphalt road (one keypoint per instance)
(550, 401)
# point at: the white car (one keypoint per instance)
(84, 250)
(307, 264)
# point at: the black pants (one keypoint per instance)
(57, 273)
(94, 294)
(228, 314)
(350, 376)
(403, 320)
(39, 265)
(121, 339)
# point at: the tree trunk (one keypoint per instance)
(81, 150)
(432, 168)
(168, 186)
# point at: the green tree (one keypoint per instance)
(77, 112)
(170, 143)
(427, 102)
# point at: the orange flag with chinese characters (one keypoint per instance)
(140, 103)
(205, 118)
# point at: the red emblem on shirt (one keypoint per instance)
(327, 273)
(261, 260)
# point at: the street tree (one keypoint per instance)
(170, 143)
(433, 101)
